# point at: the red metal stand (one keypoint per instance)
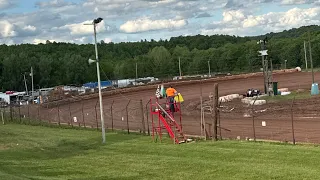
(166, 120)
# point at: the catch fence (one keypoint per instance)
(84, 113)
(288, 120)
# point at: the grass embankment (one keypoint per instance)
(35, 152)
(305, 94)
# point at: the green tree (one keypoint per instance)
(162, 64)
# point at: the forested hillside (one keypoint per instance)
(64, 63)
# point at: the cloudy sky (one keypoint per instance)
(35, 21)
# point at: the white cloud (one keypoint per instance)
(251, 21)
(52, 3)
(43, 41)
(290, 2)
(4, 4)
(232, 16)
(296, 17)
(7, 29)
(80, 40)
(225, 31)
(123, 19)
(82, 29)
(29, 28)
(7, 41)
(162, 2)
(252, 4)
(107, 40)
(237, 23)
(146, 24)
(17, 29)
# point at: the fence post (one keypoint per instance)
(215, 112)
(219, 120)
(48, 114)
(28, 111)
(128, 116)
(29, 119)
(4, 114)
(201, 112)
(11, 118)
(111, 109)
(59, 115)
(2, 117)
(39, 113)
(142, 115)
(19, 114)
(292, 126)
(253, 125)
(83, 121)
(70, 115)
(147, 114)
(95, 108)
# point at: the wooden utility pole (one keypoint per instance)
(311, 60)
(209, 68)
(25, 83)
(215, 103)
(305, 54)
(180, 68)
(136, 72)
(271, 66)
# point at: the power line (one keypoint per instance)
(104, 73)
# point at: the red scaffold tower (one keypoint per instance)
(166, 114)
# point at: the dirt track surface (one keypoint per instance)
(278, 122)
(277, 117)
(152, 87)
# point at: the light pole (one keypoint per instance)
(94, 23)
(285, 64)
(32, 93)
(264, 54)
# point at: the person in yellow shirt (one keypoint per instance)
(171, 93)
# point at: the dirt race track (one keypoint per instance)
(277, 116)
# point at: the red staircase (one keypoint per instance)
(166, 121)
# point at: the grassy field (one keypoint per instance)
(34, 152)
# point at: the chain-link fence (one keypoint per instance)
(131, 117)
(287, 120)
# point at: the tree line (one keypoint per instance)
(65, 63)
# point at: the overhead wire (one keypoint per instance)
(124, 96)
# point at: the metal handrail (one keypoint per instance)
(165, 112)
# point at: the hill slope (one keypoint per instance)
(77, 154)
